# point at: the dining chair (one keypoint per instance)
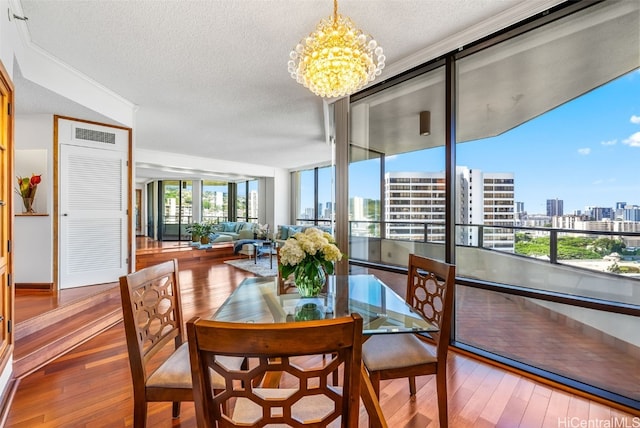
(288, 352)
(158, 357)
(430, 289)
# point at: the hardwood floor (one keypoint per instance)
(91, 386)
(29, 304)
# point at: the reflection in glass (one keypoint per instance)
(589, 346)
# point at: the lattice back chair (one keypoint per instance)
(430, 291)
(154, 329)
(152, 320)
(301, 394)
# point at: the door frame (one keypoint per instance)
(6, 222)
(56, 195)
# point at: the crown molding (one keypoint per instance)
(60, 76)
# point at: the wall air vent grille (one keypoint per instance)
(93, 135)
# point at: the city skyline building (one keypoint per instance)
(600, 213)
(415, 206)
(555, 207)
(631, 213)
(488, 199)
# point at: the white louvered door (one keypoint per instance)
(93, 211)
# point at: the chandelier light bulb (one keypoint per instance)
(336, 59)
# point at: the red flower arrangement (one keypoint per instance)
(27, 190)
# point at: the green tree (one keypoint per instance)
(606, 246)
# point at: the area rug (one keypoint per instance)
(261, 268)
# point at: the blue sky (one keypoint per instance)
(585, 152)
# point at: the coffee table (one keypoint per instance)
(262, 248)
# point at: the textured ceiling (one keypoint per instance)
(209, 77)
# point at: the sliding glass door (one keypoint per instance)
(175, 213)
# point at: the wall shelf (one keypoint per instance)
(31, 215)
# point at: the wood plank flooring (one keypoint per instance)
(91, 386)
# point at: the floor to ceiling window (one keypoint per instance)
(220, 201)
(326, 199)
(397, 171)
(314, 197)
(215, 199)
(548, 140)
(247, 201)
(546, 208)
(306, 195)
(175, 213)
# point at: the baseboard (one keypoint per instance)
(34, 286)
(7, 399)
(6, 396)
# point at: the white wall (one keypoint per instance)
(281, 198)
(277, 199)
(33, 235)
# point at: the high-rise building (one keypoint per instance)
(554, 207)
(490, 202)
(619, 211)
(357, 208)
(520, 213)
(601, 213)
(631, 213)
(360, 224)
(415, 206)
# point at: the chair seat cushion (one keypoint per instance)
(312, 408)
(175, 371)
(390, 351)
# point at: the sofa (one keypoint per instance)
(233, 231)
(286, 231)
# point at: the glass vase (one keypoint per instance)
(27, 205)
(309, 311)
(310, 285)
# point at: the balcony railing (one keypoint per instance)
(603, 251)
(316, 222)
(546, 311)
(214, 218)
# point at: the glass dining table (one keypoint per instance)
(258, 300)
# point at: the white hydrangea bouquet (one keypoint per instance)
(309, 256)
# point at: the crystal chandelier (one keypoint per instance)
(336, 59)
